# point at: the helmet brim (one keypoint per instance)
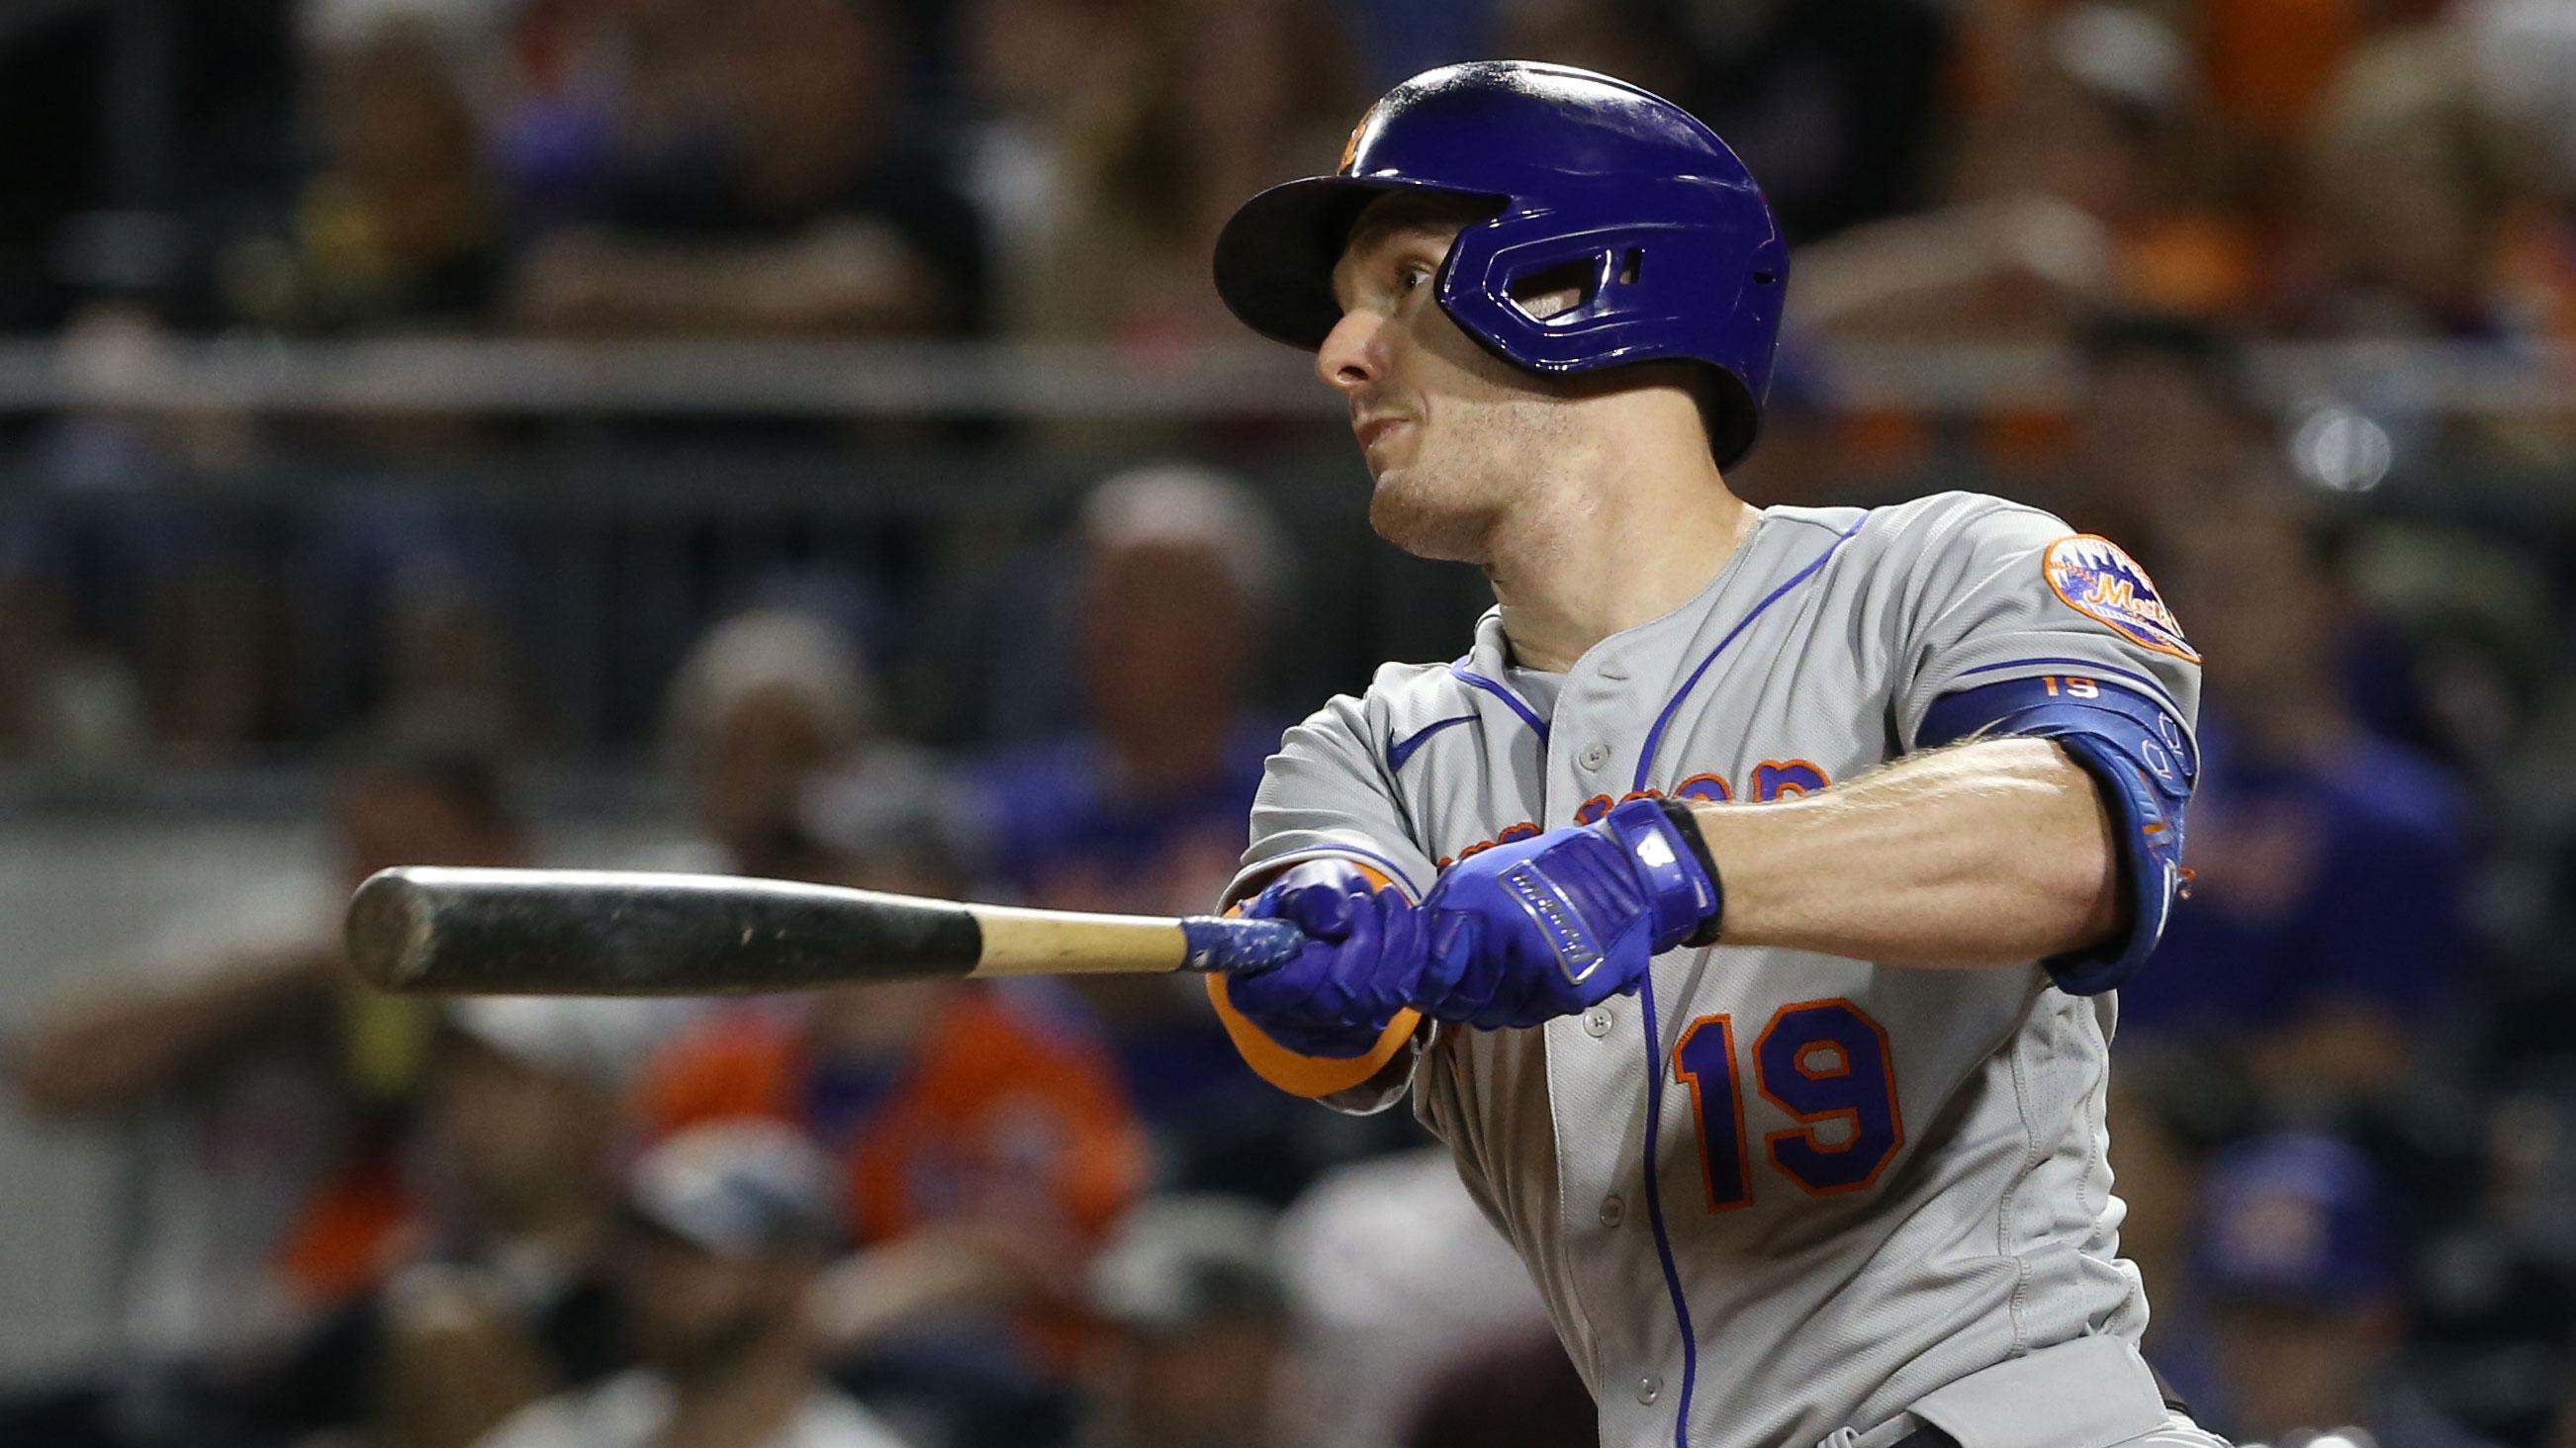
(1275, 257)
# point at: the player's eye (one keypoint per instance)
(1412, 276)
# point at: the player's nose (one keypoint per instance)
(1353, 356)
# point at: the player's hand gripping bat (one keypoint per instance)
(602, 932)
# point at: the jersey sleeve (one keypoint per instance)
(1999, 592)
(1325, 795)
(2013, 623)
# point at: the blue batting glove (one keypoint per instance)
(1550, 925)
(1367, 950)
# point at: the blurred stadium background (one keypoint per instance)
(798, 436)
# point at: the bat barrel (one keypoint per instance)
(586, 932)
(594, 932)
(390, 940)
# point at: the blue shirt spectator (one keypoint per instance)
(2299, 1269)
(1068, 826)
(2324, 882)
(2326, 926)
(1139, 805)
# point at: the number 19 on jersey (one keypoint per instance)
(1826, 1064)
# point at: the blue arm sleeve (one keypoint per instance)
(2145, 763)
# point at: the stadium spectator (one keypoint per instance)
(2492, 1310)
(2302, 1266)
(757, 182)
(2268, 62)
(986, 1141)
(206, 615)
(392, 226)
(502, 1294)
(2081, 189)
(1140, 806)
(2410, 185)
(64, 702)
(405, 609)
(1034, 71)
(2162, 433)
(768, 706)
(2326, 927)
(2171, 186)
(1216, 99)
(268, 1092)
(1398, 1279)
(2171, 1109)
(2436, 641)
(1199, 1346)
(2525, 63)
(945, 1101)
(728, 1230)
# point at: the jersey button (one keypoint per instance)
(1649, 1389)
(1593, 758)
(1596, 1022)
(1613, 1211)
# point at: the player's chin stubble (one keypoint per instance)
(1432, 513)
(1454, 504)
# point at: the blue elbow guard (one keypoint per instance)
(2144, 761)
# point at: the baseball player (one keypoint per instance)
(1744, 906)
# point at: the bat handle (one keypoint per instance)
(1237, 946)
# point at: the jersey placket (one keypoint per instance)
(1595, 1091)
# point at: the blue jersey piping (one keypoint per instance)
(1655, 1216)
(1655, 736)
(1402, 749)
(1520, 706)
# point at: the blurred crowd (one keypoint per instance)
(926, 1214)
(1038, 1214)
(1054, 168)
(1053, 171)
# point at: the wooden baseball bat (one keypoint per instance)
(426, 929)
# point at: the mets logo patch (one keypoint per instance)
(2094, 578)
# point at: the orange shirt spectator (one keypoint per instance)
(2269, 62)
(946, 1101)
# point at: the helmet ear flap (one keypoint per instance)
(1731, 415)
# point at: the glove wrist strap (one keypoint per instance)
(1664, 842)
(1677, 813)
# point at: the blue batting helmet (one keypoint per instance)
(1679, 252)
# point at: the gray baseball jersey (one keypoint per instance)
(1773, 1194)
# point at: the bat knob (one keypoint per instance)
(389, 934)
(1238, 946)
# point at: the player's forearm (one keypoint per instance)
(1980, 855)
(110, 1054)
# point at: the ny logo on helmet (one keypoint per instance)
(1351, 147)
